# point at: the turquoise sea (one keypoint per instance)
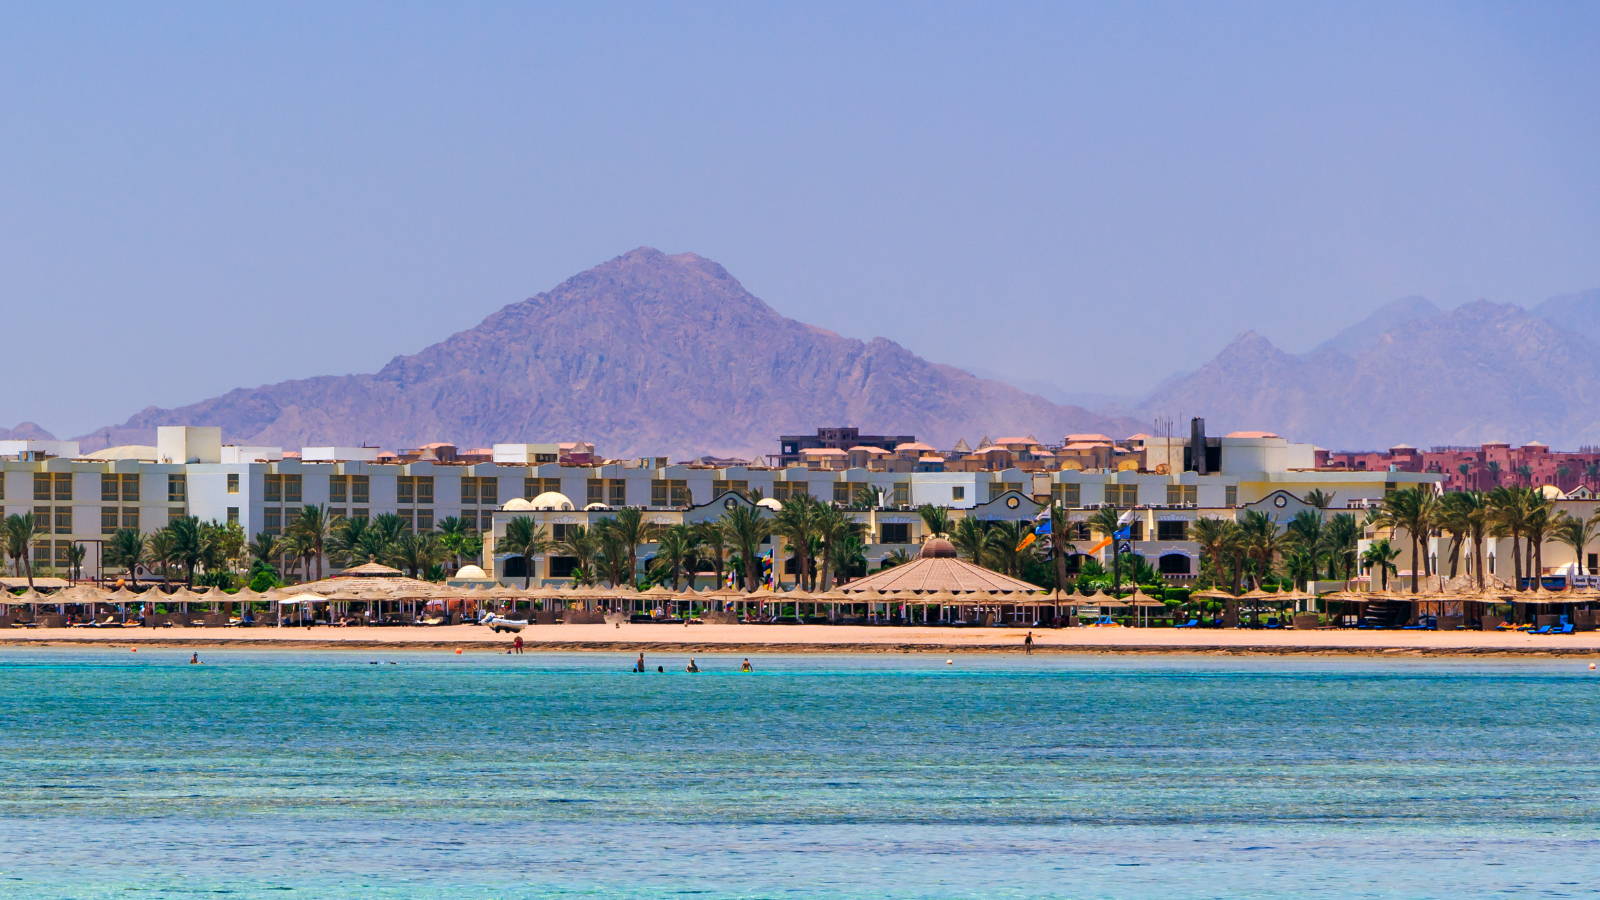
(289, 774)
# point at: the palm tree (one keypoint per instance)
(417, 553)
(935, 519)
(713, 542)
(126, 550)
(1381, 555)
(456, 537)
(796, 524)
(1576, 533)
(746, 527)
(1591, 473)
(674, 550)
(1060, 524)
(1006, 538)
(612, 555)
(1305, 532)
(1260, 542)
(833, 526)
(583, 545)
(21, 529)
(971, 538)
(848, 555)
(1107, 521)
(75, 554)
(629, 526)
(1508, 517)
(162, 552)
(1541, 516)
(1464, 515)
(1494, 471)
(314, 527)
(1319, 498)
(527, 539)
(1415, 510)
(1220, 542)
(188, 549)
(1339, 538)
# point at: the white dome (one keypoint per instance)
(552, 500)
(596, 507)
(769, 503)
(471, 573)
(518, 505)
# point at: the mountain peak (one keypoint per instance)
(646, 353)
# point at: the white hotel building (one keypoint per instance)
(84, 498)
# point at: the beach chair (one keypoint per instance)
(1542, 629)
(1192, 623)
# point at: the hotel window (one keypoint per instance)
(485, 521)
(560, 532)
(1179, 494)
(533, 487)
(1069, 495)
(545, 458)
(272, 488)
(52, 485)
(1122, 495)
(723, 486)
(997, 488)
(1230, 495)
(902, 493)
(359, 512)
(233, 482)
(130, 488)
(174, 513)
(130, 517)
(424, 520)
(1080, 531)
(338, 488)
(1172, 531)
(109, 488)
(63, 520)
(476, 490)
(843, 491)
(291, 488)
(108, 520)
(178, 488)
(959, 492)
(894, 533)
(415, 489)
(669, 492)
(272, 520)
(610, 491)
(233, 515)
(783, 490)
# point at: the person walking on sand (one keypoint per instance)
(516, 645)
(1027, 643)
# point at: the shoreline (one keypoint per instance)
(818, 639)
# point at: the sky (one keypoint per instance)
(1090, 195)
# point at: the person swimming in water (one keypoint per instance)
(638, 664)
(692, 666)
(194, 659)
(745, 666)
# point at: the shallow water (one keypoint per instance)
(321, 775)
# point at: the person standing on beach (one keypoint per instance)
(1027, 643)
(516, 645)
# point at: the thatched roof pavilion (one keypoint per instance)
(372, 580)
(937, 568)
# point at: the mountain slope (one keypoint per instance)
(644, 354)
(1481, 372)
(26, 431)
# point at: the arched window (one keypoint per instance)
(1173, 564)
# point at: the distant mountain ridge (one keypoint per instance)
(1412, 373)
(646, 354)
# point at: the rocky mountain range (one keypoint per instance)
(1412, 373)
(645, 354)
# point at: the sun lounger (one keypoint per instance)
(1542, 629)
(1192, 623)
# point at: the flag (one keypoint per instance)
(1126, 517)
(1027, 541)
(1122, 534)
(1043, 528)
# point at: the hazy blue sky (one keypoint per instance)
(206, 196)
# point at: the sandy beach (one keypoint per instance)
(831, 639)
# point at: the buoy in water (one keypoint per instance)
(949, 662)
(1591, 667)
(458, 651)
(136, 650)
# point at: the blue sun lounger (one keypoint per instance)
(1192, 623)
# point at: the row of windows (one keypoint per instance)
(610, 491)
(53, 520)
(414, 489)
(669, 492)
(124, 487)
(281, 488)
(52, 485)
(355, 488)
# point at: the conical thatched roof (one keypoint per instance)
(939, 569)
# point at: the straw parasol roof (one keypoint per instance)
(937, 568)
(123, 595)
(78, 594)
(1140, 598)
(372, 577)
(796, 594)
(1213, 594)
(659, 590)
(1100, 598)
(836, 596)
(300, 597)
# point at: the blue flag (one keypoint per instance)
(1122, 534)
